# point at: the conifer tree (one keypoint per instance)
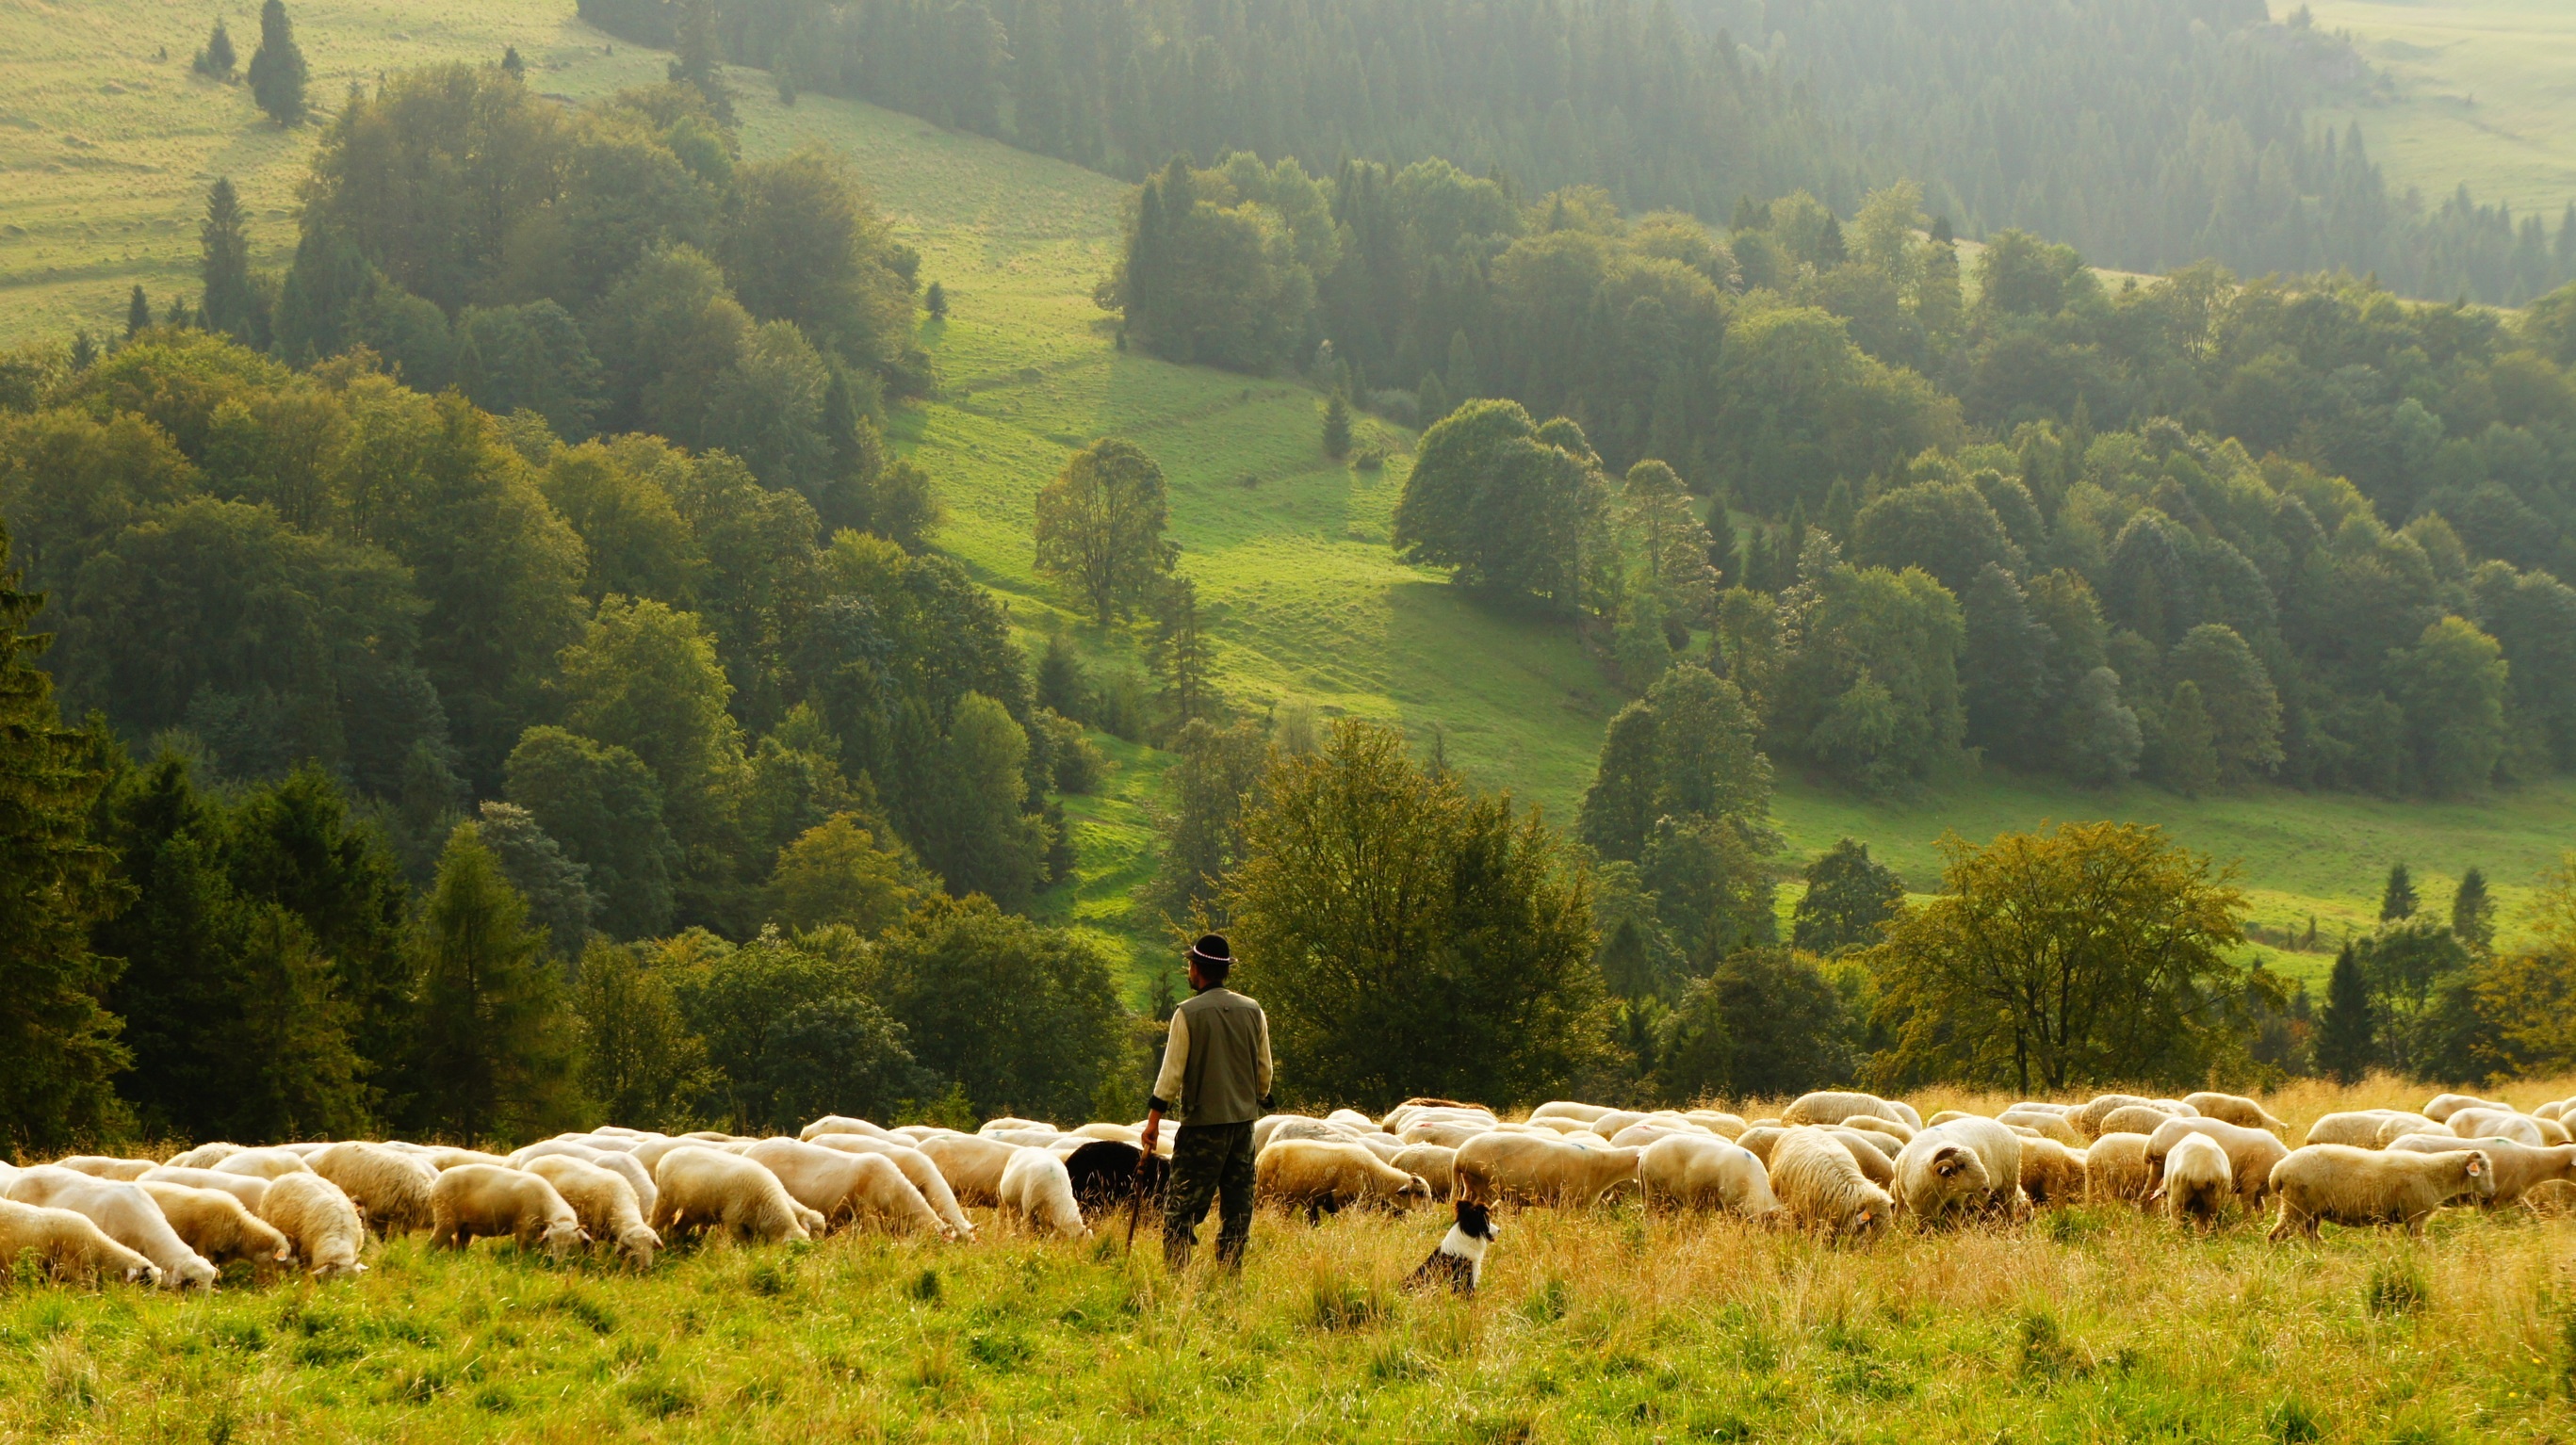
(217, 59)
(511, 63)
(2187, 753)
(2473, 911)
(277, 69)
(84, 351)
(58, 1042)
(138, 312)
(1337, 427)
(2344, 1029)
(496, 1041)
(177, 313)
(1430, 400)
(231, 305)
(1464, 384)
(1939, 303)
(701, 56)
(2397, 900)
(935, 301)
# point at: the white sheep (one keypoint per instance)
(392, 1188)
(1540, 1170)
(2251, 1153)
(1037, 1188)
(604, 1203)
(2441, 1107)
(1966, 1165)
(1718, 1121)
(123, 1212)
(320, 1220)
(1894, 1129)
(71, 1245)
(1447, 1133)
(971, 1164)
(443, 1157)
(620, 1162)
(1324, 1176)
(2362, 1186)
(1351, 1117)
(2088, 1119)
(709, 1189)
(2484, 1123)
(2115, 1168)
(489, 1201)
(917, 1168)
(2235, 1109)
(251, 1192)
(2047, 1123)
(2052, 1174)
(1010, 1124)
(1568, 1109)
(261, 1163)
(1699, 1171)
(1822, 1189)
(2357, 1127)
(215, 1225)
(1433, 1164)
(2137, 1119)
(842, 1124)
(841, 1185)
(101, 1166)
(2197, 1179)
(204, 1156)
(2398, 1125)
(2519, 1168)
(1833, 1107)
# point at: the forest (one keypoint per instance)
(2188, 137)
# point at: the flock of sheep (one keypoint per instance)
(1840, 1164)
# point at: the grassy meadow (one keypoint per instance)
(2482, 95)
(2085, 1324)
(106, 150)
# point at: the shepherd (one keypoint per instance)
(1216, 1082)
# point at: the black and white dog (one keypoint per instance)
(1459, 1262)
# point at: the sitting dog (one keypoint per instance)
(1459, 1262)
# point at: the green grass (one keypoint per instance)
(2482, 95)
(2093, 1323)
(1302, 595)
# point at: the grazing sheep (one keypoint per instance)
(1969, 1165)
(1648, 1131)
(1759, 1141)
(393, 1188)
(844, 1186)
(1008, 1123)
(2051, 1173)
(1538, 1170)
(2136, 1119)
(704, 1189)
(487, 1201)
(269, 1164)
(1447, 1134)
(2360, 1186)
(251, 1192)
(1833, 1107)
(100, 1166)
(1038, 1189)
(2115, 1168)
(622, 1163)
(2235, 1109)
(71, 1245)
(1696, 1171)
(1878, 1164)
(204, 1156)
(445, 1157)
(1355, 1119)
(1823, 1190)
(604, 1203)
(319, 1219)
(1324, 1176)
(2518, 1166)
(2197, 1179)
(1567, 1109)
(1031, 1138)
(2357, 1127)
(2046, 1123)
(215, 1225)
(2251, 1153)
(1303, 1128)
(1717, 1122)
(2088, 1120)
(923, 1174)
(1103, 1172)
(2441, 1107)
(2398, 1126)
(1616, 1120)
(1432, 1164)
(2551, 1198)
(2496, 1124)
(971, 1164)
(842, 1124)
(124, 1212)
(1872, 1124)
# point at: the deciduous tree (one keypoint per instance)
(1100, 527)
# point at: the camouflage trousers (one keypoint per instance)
(1210, 1162)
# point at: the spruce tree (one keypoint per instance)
(231, 305)
(701, 58)
(2397, 900)
(138, 312)
(516, 68)
(84, 351)
(1465, 385)
(496, 1040)
(177, 314)
(935, 301)
(2473, 911)
(217, 60)
(277, 69)
(2344, 1029)
(1430, 400)
(58, 1042)
(1337, 427)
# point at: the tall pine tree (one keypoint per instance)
(231, 306)
(2473, 911)
(138, 312)
(2397, 900)
(496, 1038)
(277, 69)
(58, 1042)
(2344, 1031)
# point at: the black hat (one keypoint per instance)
(1211, 954)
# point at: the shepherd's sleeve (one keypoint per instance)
(1176, 1061)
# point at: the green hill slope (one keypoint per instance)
(2482, 96)
(1303, 597)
